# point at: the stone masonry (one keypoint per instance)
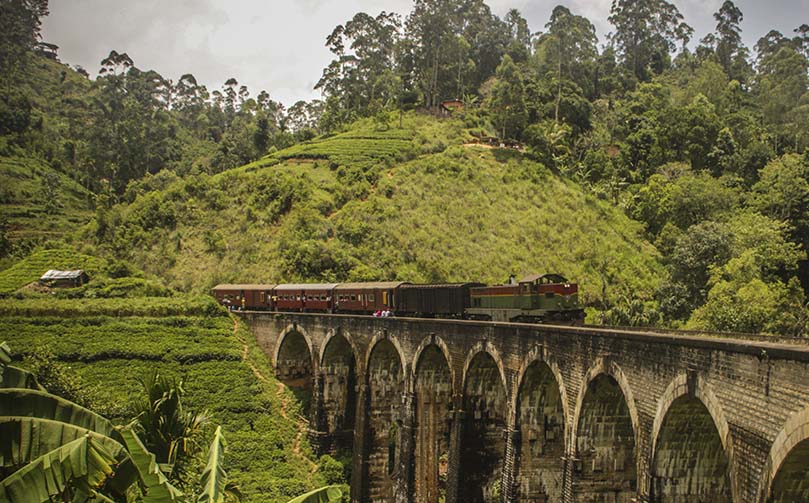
(465, 411)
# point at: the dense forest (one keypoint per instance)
(702, 142)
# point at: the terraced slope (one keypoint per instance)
(111, 343)
(39, 202)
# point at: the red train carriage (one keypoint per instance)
(254, 296)
(304, 297)
(366, 298)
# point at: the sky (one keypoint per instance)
(279, 45)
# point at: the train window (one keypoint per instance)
(371, 297)
(261, 296)
(353, 298)
(476, 302)
(308, 297)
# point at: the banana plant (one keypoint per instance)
(61, 450)
(327, 494)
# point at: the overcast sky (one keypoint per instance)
(278, 45)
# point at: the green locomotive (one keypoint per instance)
(534, 299)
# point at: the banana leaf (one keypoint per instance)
(327, 494)
(43, 405)
(85, 466)
(214, 479)
(5, 354)
(27, 438)
(157, 488)
(13, 377)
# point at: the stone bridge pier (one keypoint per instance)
(474, 412)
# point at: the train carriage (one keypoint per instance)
(254, 296)
(434, 301)
(366, 297)
(304, 297)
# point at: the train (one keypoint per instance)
(538, 298)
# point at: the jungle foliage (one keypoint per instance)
(690, 138)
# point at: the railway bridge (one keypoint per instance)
(467, 412)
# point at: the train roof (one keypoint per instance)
(305, 286)
(370, 285)
(442, 285)
(556, 278)
(226, 286)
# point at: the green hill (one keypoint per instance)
(427, 207)
(38, 202)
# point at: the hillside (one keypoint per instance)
(39, 203)
(109, 344)
(416, 204)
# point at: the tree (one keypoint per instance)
(430, 30)
(520, 46)
(567, 50)
(508, 100)
(19, 31)
(782, 193)
(359, 78)
(645, 34)
(726, 42)
(783, 82)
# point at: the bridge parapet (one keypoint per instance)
(477, 411)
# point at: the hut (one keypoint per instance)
(64, 279)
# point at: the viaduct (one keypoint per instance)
(466, 412)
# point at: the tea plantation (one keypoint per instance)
(111, 343)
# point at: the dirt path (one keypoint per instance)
(283, 398)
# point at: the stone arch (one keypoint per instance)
(604, 437)
(485, 419)
(540, 418)
(691, 454)
(293, 328)
(345, 334)
(385, 378)
(295, 365)
(442, 346)
(781, 481)
(533, 356)
(372, 344)
(432, 388)
(612, 370)
(488, 348)
(338, 393)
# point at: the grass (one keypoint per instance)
(450, 213)
(24, 200)
(35, 265)
(190, 338)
